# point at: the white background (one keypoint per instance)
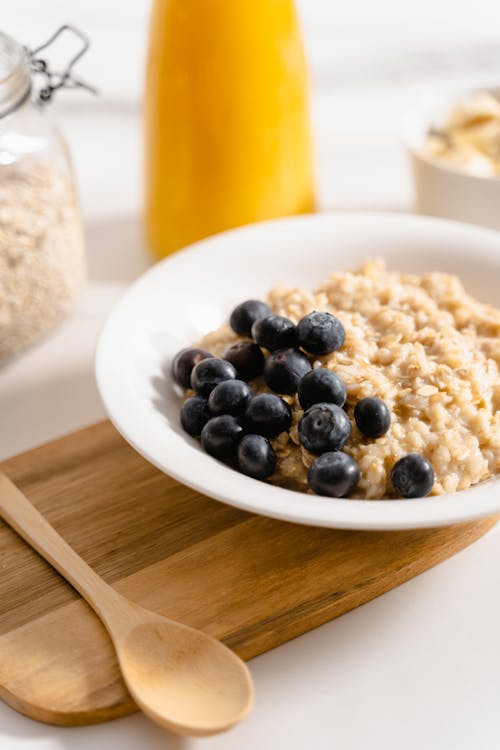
(419, 667)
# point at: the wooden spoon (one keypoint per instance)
(180, 677)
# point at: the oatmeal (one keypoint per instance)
(469, 139)
(420, 344)
(42, 259)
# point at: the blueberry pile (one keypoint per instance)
(236, 427)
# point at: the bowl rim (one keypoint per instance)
(384, 514)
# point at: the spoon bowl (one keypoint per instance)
(182, 678)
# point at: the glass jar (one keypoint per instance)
(42, 257)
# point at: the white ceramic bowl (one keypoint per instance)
(192, 292)
(445, 191)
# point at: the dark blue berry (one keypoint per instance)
(333, 474)
(221, 435)
(412, 476)
(274, 332)
(244, 315)
(324, 427)
(372, 417)
(183, 363)
(247, 358)
(268, 415)
(194, 414)
(256, 457)
(320, 333)
(230, 397)
(284, 369)
(319, 386)
(210, 372)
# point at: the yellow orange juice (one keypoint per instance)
(227, 127)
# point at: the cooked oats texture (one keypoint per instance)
(42, 260)
(425, 347)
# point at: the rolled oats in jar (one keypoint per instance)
(42, 255)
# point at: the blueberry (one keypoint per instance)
(230, 397)
(210, 372)
(333, 474)
(194, 414)
(256, 457)
(244, 316)
(274, 332)
(320, 333)
(412, 476)
(183, 363)
(284, 369)
(324, 427)
(221, 435)
(320, 386)
(268, 415)
(247, 358)
(372, 417)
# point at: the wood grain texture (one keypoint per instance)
(252, 581)
(181, 677)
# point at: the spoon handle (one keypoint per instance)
(19, 513)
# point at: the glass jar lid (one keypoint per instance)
(19, 64)
(15, 78)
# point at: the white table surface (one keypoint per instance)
(420, 666)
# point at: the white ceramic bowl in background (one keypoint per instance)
(192, 292)
(444, 191)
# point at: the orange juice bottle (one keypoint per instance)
(227, 126)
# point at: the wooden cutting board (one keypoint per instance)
(249, 580)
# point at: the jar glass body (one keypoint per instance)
(42, 259)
